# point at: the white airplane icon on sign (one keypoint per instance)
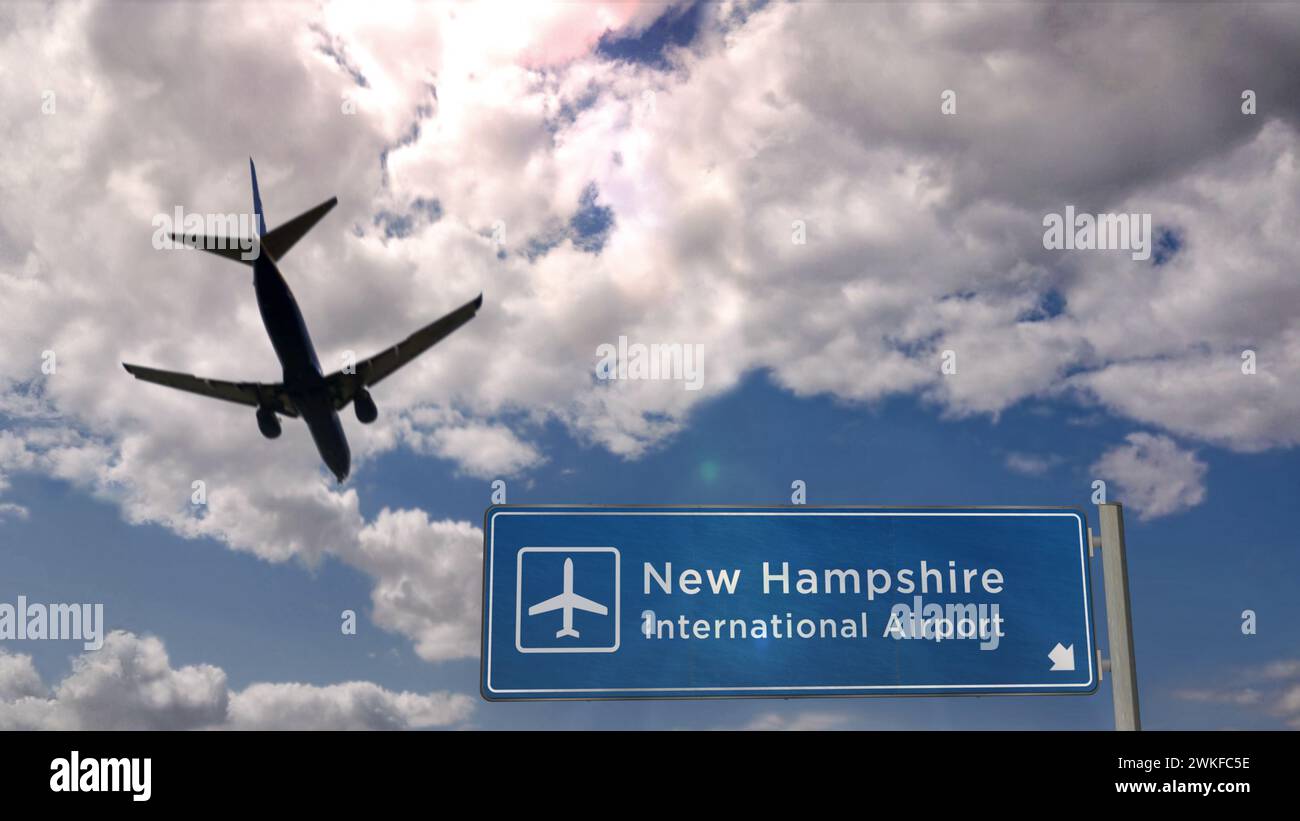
(568, 601)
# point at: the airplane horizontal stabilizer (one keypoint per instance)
(278, 242)
(221, 246)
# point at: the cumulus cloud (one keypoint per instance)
(426, 573)
(485, 450)
(131, 684)
(128, 684)
(924, 235)
(1272, 689)
(354, 705)
(428, 580)
(18, 678)
(481, 449)
(1153, 475)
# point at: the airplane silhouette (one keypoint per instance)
(567, 601)
(305, 391)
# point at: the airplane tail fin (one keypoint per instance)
(276, 243)
(571, 633)
(257, 201)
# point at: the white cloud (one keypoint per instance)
(485, 450)
(127, 684)
(130, 684)
(1272, 689)
(354, 705)
(481, 449)
(428, 580)
(1031, 464)
(1153, 475)
(1279, 670)
(18, 678)
(924, 235)
(1288, 704)
(426, 573)
(805, 721)
(1241, 697)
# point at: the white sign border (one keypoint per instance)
(741, 691)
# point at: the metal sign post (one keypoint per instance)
(1119, 621)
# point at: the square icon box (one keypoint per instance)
(573, 584)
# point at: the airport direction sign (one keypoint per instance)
(617, 602)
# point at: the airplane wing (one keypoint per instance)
(579, 603)
(253, 394)
(553, 603)
(345, 386)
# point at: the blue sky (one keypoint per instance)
(777, 183)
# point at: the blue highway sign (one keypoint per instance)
(696, 602)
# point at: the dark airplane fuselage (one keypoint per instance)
(303, 380)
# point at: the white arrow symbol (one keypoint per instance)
(1062, 658)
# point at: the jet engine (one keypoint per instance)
(365, 407)
(268, 423)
